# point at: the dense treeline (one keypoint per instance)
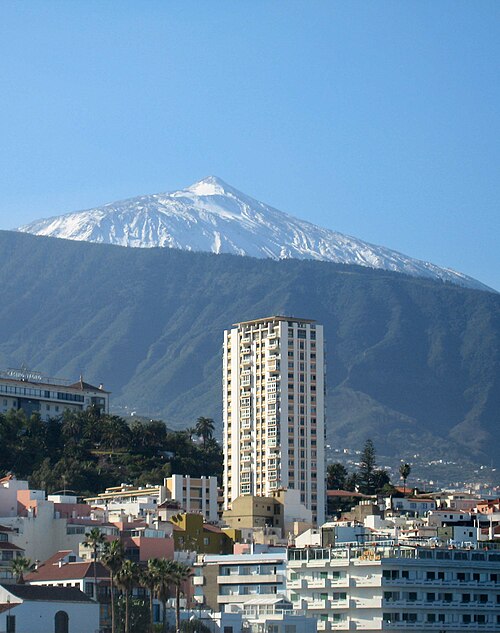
(86, 452)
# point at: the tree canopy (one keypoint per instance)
(85, 453)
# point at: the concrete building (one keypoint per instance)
(192, 534)
(50, 397)
(273, 410)
(391, 588)
(39, 529)
(227, 583)
(191, 494)
(194, 494)
(282, 510)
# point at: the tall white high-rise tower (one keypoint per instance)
(274, 420)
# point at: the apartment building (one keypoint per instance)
(273, 410)
(195, 494)
(49, 397)
(388, 588)
(228, 583)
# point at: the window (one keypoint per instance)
(89, 588)
(10, 622)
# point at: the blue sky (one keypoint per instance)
(377, 119)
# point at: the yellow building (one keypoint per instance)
(191, 533)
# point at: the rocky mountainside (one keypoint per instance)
(212, 216)
(412, 363)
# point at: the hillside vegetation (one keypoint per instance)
(411, 363)
(86, 452)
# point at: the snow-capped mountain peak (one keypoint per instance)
(210, 215)
(210, 186)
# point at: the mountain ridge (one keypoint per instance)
(412, 363)
(212, 216)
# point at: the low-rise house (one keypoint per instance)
(413, 506)
(441, 518)
(35, 609)
(488, 507)
(67, 569)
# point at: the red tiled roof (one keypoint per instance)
(5, 528)
(212, 528)
(9, 606)
(55, 558)
(68, 571)
(346, 493)
(85, 386)
(7, 545)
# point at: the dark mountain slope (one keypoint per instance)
(412, 363)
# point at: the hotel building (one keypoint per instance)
(393, 588)
(50, 397)
(273, 410)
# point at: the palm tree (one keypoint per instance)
(20, 566)
(149, 579)
(404, 471)
(94, 539)
(127, 578)
(181, 573)
(164, 570)
(112, 558)
(205, 428)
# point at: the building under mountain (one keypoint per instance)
(50, 397)
(273, 411)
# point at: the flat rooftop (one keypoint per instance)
(275, 318)
(25, 378)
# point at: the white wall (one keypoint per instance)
(38, 617)
(42, 535)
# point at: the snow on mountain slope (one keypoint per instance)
(212, 216)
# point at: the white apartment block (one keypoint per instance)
(229, 583)
(388, 588)
(49, 397)
(273, 410)
(195, 494)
